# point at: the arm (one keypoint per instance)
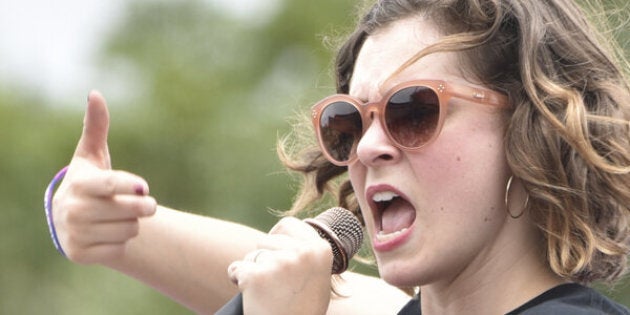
(185, 256)
(107, 217)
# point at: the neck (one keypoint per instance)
(498, 281)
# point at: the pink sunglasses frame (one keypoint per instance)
(444, 90)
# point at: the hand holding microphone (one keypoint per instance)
(290, 272)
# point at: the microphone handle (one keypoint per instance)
(233, 306)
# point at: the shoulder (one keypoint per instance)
(571, 299)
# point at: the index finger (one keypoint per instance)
(294, 227)
(110, 183)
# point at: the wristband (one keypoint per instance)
(48, 208)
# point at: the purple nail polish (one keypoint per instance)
(139, 190)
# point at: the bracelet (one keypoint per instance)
(48, 208)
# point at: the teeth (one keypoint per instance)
(382, 237)
(384, 196)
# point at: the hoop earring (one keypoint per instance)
(507, 204)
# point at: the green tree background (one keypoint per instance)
(205, 98)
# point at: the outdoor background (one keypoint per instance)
(199, 92)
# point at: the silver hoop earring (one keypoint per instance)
(507, 204)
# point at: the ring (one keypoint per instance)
(255, 254)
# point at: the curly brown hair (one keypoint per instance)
(568, 135)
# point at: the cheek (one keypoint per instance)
(460, 182)
(357, 179)
(466, 165)
(357, 175)
(468, 158)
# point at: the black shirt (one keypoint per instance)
(565, 299)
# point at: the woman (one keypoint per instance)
(487, 149)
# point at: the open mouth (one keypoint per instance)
(393, 215)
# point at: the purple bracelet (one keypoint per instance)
(48, 208)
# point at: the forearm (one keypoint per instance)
(185, 256)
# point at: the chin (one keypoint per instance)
(399, 276)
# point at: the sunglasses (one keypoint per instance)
(412, 114)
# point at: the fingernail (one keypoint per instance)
(151, 210)
(140, 190)
(231, 273)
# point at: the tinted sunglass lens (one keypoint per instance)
(340, 128)
(412, 115)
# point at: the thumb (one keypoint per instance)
(93, 143)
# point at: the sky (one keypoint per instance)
(48, 46)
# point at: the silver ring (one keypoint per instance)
(255, 254)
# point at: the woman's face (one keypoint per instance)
(447, 216)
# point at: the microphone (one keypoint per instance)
(336, 225)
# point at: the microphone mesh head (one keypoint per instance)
(343, 231)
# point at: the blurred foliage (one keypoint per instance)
(207, 97)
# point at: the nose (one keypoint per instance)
(375, 147)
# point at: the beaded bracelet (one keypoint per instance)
(48, 208)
